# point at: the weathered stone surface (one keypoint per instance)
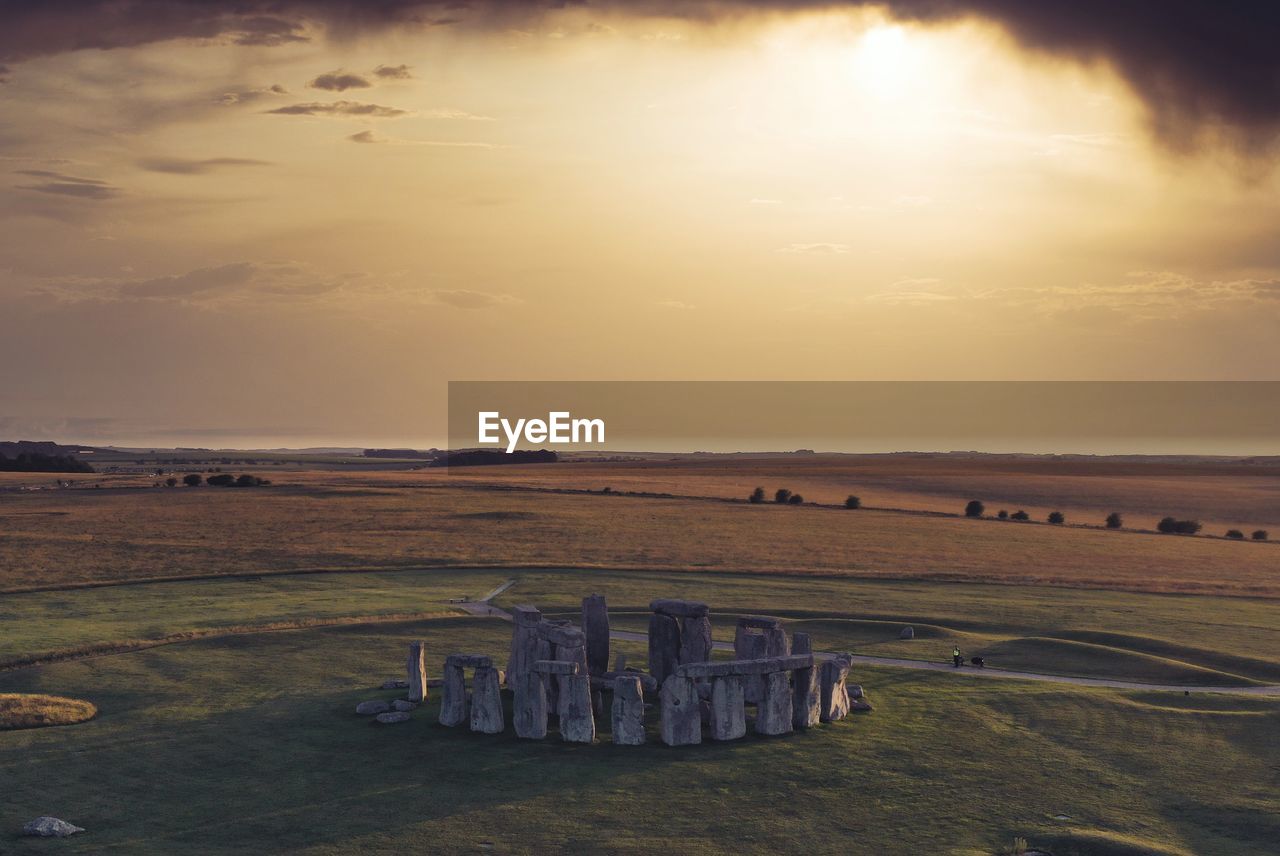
(728, 714)
(806, 691)
(762, 622)
(773, 713)
(664, 646)
(393, 717)
(525, 644)
(529, 706)
(647, 682)
(628, 711)
(486, 702)
(859, 705)
(854, 690)
(403, 705)
(678, 608)
(907, 633)
(453, 697)
(577, 724)
(695, 639)
(416, 667)
(749, 643)
(835, 696)
(370, 708)
(526, 615)
(468, 661)
(620, 662)
(395, 685)
(556, 667)
(681, 717)
(762, 666)
(50, 827)
(595, 627)
(568, 654)
(564, 635)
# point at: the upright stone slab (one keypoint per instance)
(453, 697)
(806, 691)
(728, 714)
(486, 701)
(681, 717)
(525, 642)
(773, 713)
(664, 645)
(595, 626)
(835, 697)
(529, 705)
(750, 646)
(628, 711)
(576, 654)
(416, 667)
(577, 725)
(695, 639)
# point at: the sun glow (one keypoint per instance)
(886, 62)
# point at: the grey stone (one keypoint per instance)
(526, 615)
(529, 706)
(854, 690)
(468, 661)
(728, 711)
(370, 708)
(678, 608)
(664, 645)
(525, 644)
(628, 711)
(416, 666)
(576, 654)
(835, 696)
(681, 717)
(620, 663)
(595, 627)
(486, 702)
(907, 633)
(564, 635)
(773, 713)
(393, 717)
(762, 622)
(453, 698)
(806, 694)
(859, 705)
(395, 685)
(748, 668)
(695, 639)
(749, 647)
(50, 827)
(556, 667)
(605, 681)
(403, 705)
(577, 723)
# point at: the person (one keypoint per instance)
(955, 656)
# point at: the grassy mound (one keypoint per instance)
(1096, 843)
(20, 710)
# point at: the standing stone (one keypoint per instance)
(664, 646)
(486, 701)
(529, 706)
(750, 646)
(628, 711)
(453, 700)
(773, 714)
(524, 640)
(577, 725)
(595, 624)
(835, 696)
(695, 639)
(728, 716)
(572, 654)
(681, 717)
(416, 666)
(806, 695)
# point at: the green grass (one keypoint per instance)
(249, 742)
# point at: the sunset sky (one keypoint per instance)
(292, 225)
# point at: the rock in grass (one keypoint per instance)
(907, 633)
(393, 717)
(403, 705)
(50, 827)
(370, 708)
(855, 690)
(859, 705)
(395, 685)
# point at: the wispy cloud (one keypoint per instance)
(61, 184)
(816, 249)
(341, 109)
(369, 137)
(465, 299)
(184, 166)
(393, 72)
(339, 81)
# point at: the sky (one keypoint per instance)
(292, 225)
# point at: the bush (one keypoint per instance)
(1057, 517)
(795, 499)
(974, 508)
(1235, 534)
(221, 480)
(192, 479)
(1171, 526)
(171, 482)
(782, 496)
(852, 501)
(1019, 515)
(1002, 514)
(757, 495)
(1259, 535)
(1114, 520)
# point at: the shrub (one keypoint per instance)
(1172, 526)
(1002, 514)
(221, 480)
(852, 501)
(757, 495)
(782, 496)
(1235, 534)
(192, 479)
(171, 482)
(1259, 535)
(974, 508)
(795, 499)
(1114, 520)
(1057, 517)
(1019, 515)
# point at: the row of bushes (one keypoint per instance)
(219, 480)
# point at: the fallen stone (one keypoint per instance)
(628, 711)
(695, 640)
(486, 702)
(370, 708)
(762, 666)
(907, 633)
(595, 627)
(681, 717)
(664, 645)
(393, 717)
(50, 827)
(678, 608)
(773, 713)
(854, 690)
(859, 705)
(728, 710)
(416, 667)
(403, 705)
(395, 685)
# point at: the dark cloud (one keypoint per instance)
(339, 81)
(1199, 67)
(393, 72)
(365, 137)
(61, 184)
(182, 166)
(247, 94)
(339, 108)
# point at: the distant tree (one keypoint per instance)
(974, 508)
(1172, 526)
(795, 499)
(171, 482)
(782, 496)
(1019, 515)
(606, 490)
(757, 495)
(221, 480)
(192, 479)
(247, 480)
(1259, 535)
(1235, 534)
(1057, 517)
(852, 501)
(1114, 520)
(1002, 514)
